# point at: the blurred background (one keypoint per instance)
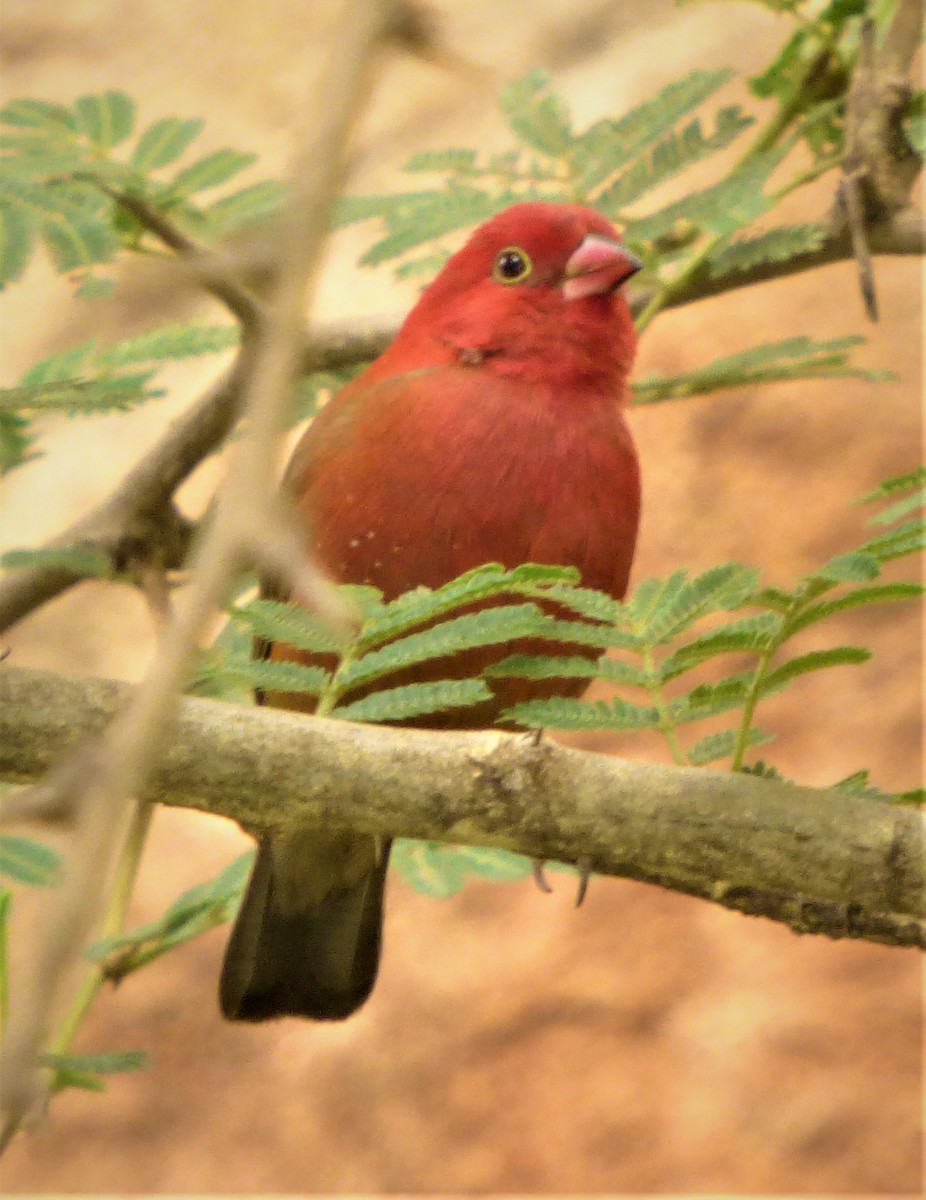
(646, 1042)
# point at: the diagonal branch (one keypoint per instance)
(819, 861)
(99, 779)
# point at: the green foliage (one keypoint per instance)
(772, 246)
(659, 625)
(84, 1071)
(611, 165)
(667, 634)
(198, 909)
(417, 628)
(791, 359)
(91, 378)
(914, 124)
(79, 560)
(26, 861)
(6, 903)
(60, 179)
(441, 871)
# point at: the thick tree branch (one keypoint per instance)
(820, 862)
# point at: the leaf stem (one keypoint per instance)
(784, 115)
(112, 924)
(667, 726)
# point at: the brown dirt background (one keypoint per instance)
(646, 1042)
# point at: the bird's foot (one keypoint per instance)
(540, 878)
(584, 867)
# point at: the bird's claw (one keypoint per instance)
(584, 867)
(540, 878)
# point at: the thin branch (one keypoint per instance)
(903, 235)
(206, 265)
(819, 861)
(138, 520)
(123, 757)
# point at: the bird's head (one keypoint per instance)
(536, 291)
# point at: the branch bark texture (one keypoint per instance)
(819, 861)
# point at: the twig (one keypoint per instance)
(850, 198)
(126, 752)
(819, 861)
(138, 520)
(208, 266)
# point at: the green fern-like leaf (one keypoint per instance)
(775, 245)
(528, 666)
(414, 700)
(79, 560)
(907, 538)
(429, 867)
(711, 699)
(272, 676)
(84, 396)
(487, 582)
(609, 144)
(450, 160)
(792, 358)
(677, 151)
(18, 229)
(716, 746)
(537, 115)
(854, 567)
(748, 635)
(16, 442)
(164, 142)
(674, 604)
(170, 342)
(75, 230)
(912, 482)
(721, 209)
(60, 168)
(816, 660)
(440, 871)
(488, 627)
(105, 119)
(878, 594)
(211, 171)
(250, 204)
(589, 603)
(51, 119)
(28, 861)
(565, 713)
(198, 909)
(438, 213)
(289, 623)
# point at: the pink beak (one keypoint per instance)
(598, 265)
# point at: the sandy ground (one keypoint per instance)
(647, 1042)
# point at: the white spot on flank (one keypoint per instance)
(354, 542)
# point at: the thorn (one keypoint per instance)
(851, 200)
(540, 878)
(584, 867)
(535, 736)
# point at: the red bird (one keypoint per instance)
(491, 430)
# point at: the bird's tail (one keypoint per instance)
(307, 938)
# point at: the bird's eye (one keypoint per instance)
(512, 265)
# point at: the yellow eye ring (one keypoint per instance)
(512, 265)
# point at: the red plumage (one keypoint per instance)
(491, 430)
